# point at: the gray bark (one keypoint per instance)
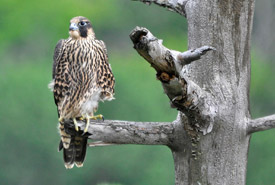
(173, 5)
(126, 132)
(221, 154)
(261, 124)
(210, 137)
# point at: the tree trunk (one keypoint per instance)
(219, 157)
(210, 137)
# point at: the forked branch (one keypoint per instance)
(169, 64)
(261, 124)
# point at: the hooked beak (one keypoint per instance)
(73, 27)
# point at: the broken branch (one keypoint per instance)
(184, 94)
(261, 124)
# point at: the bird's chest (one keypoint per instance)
(78, 65)
(80, 60)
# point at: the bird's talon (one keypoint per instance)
(87, 125)
(85, 130)
(76, 128)
(100, 116)
(75, 124)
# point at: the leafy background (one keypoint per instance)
(30, 29)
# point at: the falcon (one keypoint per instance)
(82, 77)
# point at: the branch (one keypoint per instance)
(261, 124)
(184, 94)
(160, 57)
(177, 6)
(192, 55)
(126, 132)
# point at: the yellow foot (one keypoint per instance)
(100, 116)
(75, 124)
(82, 118)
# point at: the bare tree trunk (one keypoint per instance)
(221, 156)
(217, 156)
(210, 137)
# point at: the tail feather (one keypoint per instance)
(60, 147)
(69, 155)
(76, 152)
(80, 150)
(65, 138)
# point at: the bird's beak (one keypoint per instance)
(73, 27)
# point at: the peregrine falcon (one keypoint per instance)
(82, 77)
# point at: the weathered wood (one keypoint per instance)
(261, 124)
(126, 132)
(220, 156)
(183, 93)
(172, 5)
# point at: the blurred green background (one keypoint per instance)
(28, 135)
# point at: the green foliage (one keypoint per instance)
(261, 158)
(28, 135)
(262, 86)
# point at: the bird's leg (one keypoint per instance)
(87, 124)
(75, 124)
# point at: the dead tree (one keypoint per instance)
(210, 137)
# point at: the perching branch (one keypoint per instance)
(183, 93)
(261, 124)
(172, 5)
(126, 132)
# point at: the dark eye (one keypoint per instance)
(82, 23)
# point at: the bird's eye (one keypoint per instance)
(82, 23)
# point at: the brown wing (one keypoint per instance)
(57, 54)
(59, 69)
(105, 77)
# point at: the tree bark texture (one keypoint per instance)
(220, 156)
(214, 144)
(208, 84)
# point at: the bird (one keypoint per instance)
(81, 78)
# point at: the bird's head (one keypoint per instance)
(81, 27)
